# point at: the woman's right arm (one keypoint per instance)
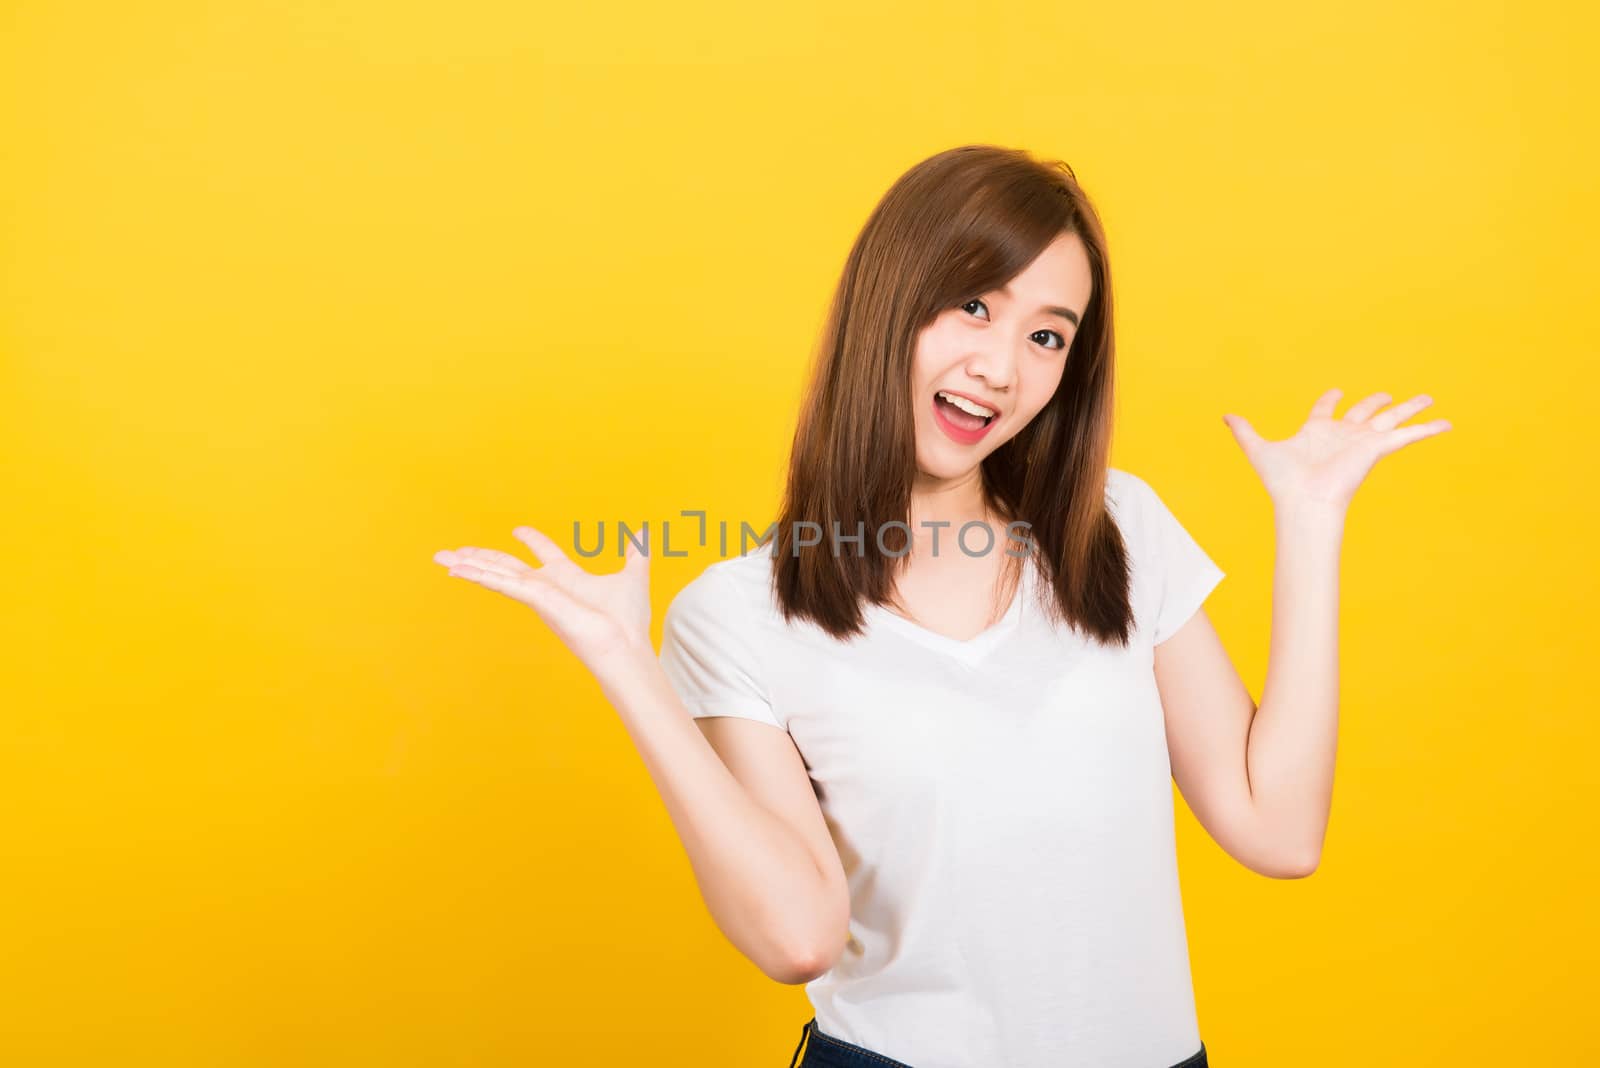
(743, 806)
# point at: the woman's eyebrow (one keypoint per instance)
(1066, 313)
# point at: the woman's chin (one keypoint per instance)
(946, 468)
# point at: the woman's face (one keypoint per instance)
(1003, 351)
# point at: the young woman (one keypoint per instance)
(939, 709)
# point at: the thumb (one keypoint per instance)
(1243, 432)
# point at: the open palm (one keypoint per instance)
(1327, 458)
(595, 616)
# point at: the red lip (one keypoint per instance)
(955, 433)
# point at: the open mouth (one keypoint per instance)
(963, 421)
(963, 413)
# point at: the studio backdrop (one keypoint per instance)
(293, 296)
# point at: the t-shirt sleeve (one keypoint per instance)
(1183, 573)
(709, 654)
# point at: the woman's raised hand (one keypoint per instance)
(595, 616)
(1327, 458)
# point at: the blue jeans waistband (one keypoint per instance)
(826, 1051)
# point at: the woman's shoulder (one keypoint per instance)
(1129, 497)
(1124, 488)
(739, 586)
(1122, 481)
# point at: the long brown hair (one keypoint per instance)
(960, 223)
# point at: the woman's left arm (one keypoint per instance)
(1260, 780)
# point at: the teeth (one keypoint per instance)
(967, 406)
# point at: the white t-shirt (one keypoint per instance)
(1002, 806)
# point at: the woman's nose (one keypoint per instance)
(996, 365)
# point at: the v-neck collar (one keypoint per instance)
(971, 650)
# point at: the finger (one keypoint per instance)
(1400, 438)
(484, 559)
(1324, 406)
(637, 562)
(544, 547)
(477, 571)
(533, 589)
(493, 559)
(1401, 412)
(1362, 409)
(1243, 432)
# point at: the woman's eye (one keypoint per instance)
(1061, 342)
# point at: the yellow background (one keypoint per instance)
(293, 295)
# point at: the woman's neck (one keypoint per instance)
(951, 504)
